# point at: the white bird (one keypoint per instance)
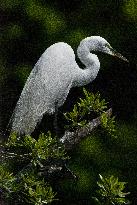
(55, 73)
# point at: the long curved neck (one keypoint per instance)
(90, 61)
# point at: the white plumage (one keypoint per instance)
(51, 79)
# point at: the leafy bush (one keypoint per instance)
(28, 163)
(92, 105)
(111, 191)
(21, 180)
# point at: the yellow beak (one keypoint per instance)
(115, 53)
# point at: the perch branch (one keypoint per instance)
(70, 139)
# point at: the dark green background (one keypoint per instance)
(28, 27)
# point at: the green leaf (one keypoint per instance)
(111, 190)
(84, 109)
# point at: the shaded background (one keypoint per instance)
(29, 27)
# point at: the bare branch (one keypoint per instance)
(72, 138)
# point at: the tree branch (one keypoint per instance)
(72, 138)
(69, 140)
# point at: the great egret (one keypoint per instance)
(55, 73)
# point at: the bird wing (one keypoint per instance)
(54, 76)
(48, 83)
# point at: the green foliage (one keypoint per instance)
(28, 188)
(51, 19)
(38, 192)
(40, 149)
(87, 106)
(92, 105)
(19, 174)
(6, 179)
(75, 118)
(108, 124)
(130, 9)
(111, 191)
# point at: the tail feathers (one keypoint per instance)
(25, 126)
(25, 123)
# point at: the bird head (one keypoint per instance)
(105, 47)
(97, 43)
